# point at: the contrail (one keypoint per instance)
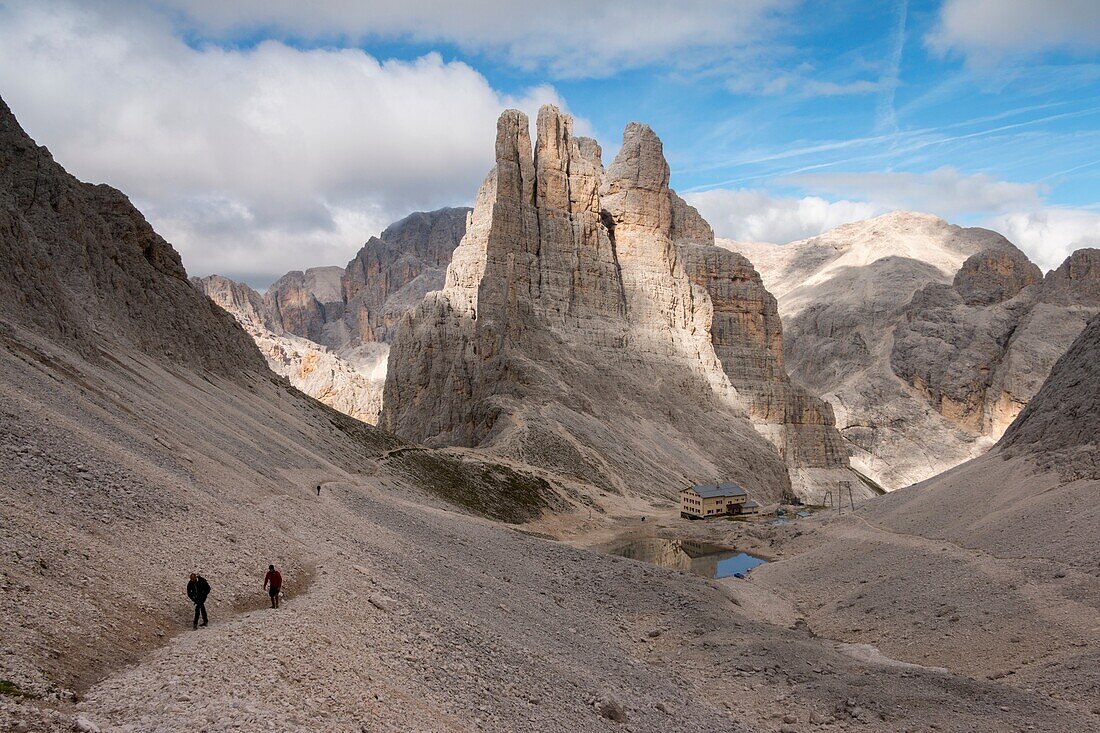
(886, 118)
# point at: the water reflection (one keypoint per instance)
(689, 556)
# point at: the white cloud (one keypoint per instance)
(944, 191)
(565, 37)
(251, 161)
(1049, 235)
(989, 30)
(754, 215)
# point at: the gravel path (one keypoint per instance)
(400, 616)
(422, 620)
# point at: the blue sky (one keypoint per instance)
(264, 136)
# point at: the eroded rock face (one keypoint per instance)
(980, 349)
(995, 275)
(107, 277)
(1060, 427)
(327, 328)
(302, 303)
(953, 338)
(841, 295)
(346, 309)
(308, 365)
(571, 335)
(393, 272)
(748, 339)
(926, 339)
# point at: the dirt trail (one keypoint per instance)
(423, 620)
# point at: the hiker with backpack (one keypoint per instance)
(273, 582)
(197, 590)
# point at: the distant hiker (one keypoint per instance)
(273, 582)
(197, 590)
(318, 489)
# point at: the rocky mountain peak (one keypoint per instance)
(574, 291)
(82, 267)
(635, 188)
(515, 170)
(995, 275)
(239, 300)
(1076, 281)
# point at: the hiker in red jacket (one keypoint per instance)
(273, 582)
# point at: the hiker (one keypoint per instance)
(318, 489)
(273, 582)
(197, 590)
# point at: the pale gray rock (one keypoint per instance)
(1060, 427)
(346, 308)
(748, 339)
(393, 272)
(927, 339)
(353, 390)
(327, 328)
(841, 295)
(568, 334)
(980, 349)
(688, 225)
(113, 279)
(303, 303)
(952, 339)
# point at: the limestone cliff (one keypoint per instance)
(926, 339)
(568, 333)
(347, 308)
(393, 272)
(81, 266)
(327, 328)
(1060, 427)
(748, 339)
(952, 338)
(840, 296)
(980, 348)
(309, 366)
(306, 303)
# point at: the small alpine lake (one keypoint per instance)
(690, 556)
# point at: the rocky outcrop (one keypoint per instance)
(82, 267)
(952, 339)
(306, 303)
(926, 339)
(308, 366)
(575, 332)
(393, 272)
(327, 328)
(979, 349)
(748, 339)
(1060, 427)
(840, 296)
(347, 308)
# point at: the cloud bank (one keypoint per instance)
(1048, 236)
(989, 30)
(566, 37)
(255, 161)
(1045, 233)
(945, 190)
(754, 215)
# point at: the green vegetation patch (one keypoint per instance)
(489, 489)
(12, 690)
